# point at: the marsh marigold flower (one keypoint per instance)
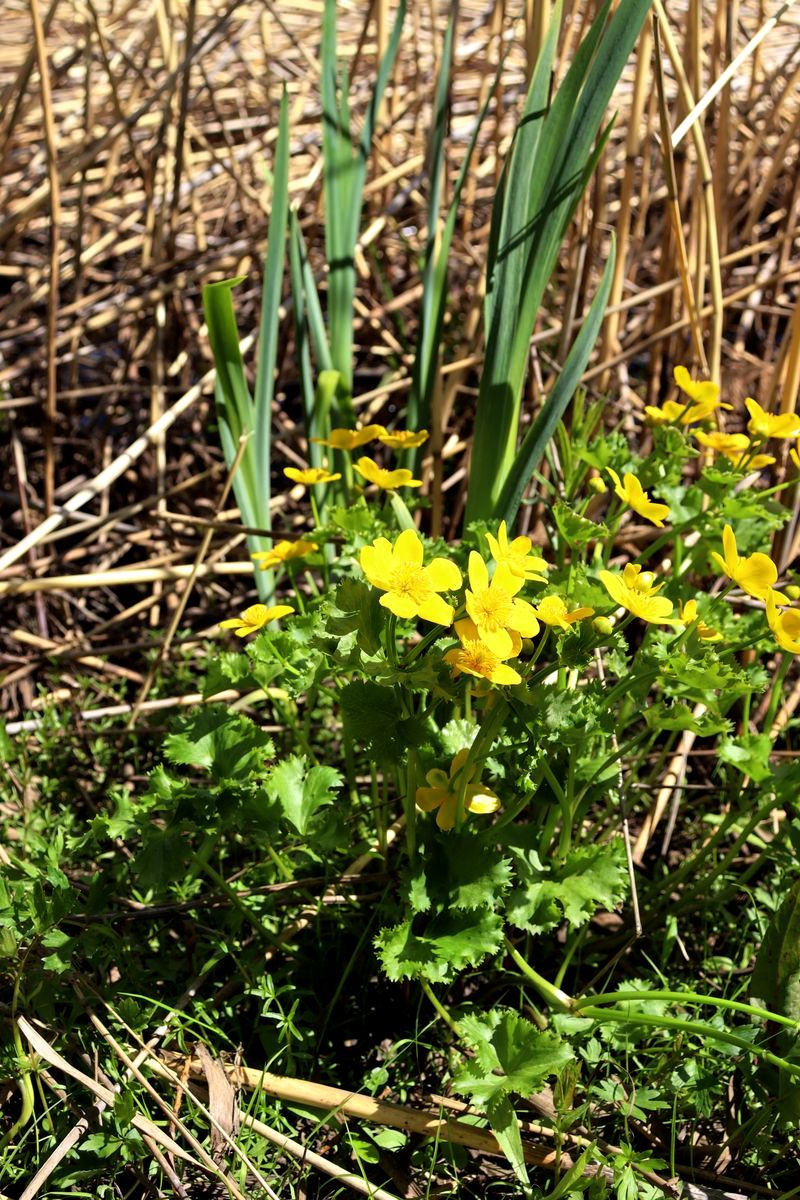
(734, 447)
(633, 494)
(516, 555)
(283, 552)
(351, 439)
(389, 480)
(310, 476)
(784, 625)
(552, 610)
(704, 396)
(254, 617)
(635, 590)
(412, 590)
(494, 609)
(403, 439)
(475, 658)
(756, 574)
(442, 793)
(689, 616)
(771, 425)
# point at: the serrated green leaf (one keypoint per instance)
(446, 945)
(374, 718)
(590, 878)
(748, 754)
(511, 1056)
(226, 744)
(357, 609)
(301, 791)
(575, 529)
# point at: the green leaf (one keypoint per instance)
(226, 744)
(460, 871)
(576, 530)
(512, 1057)
(374, 718)
(301, 792)
(543, 427)
(748, 754)
(681, 716)
(449, 943)
(357, 609)
(776, 975)
(590, 878)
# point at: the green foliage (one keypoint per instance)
(590, 878)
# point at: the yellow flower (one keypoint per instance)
(403, 439)
(442, 793)
(516, 555)
(552, 610)
(283, 552)
(493, 608)
(756, 574)
(734, 446)
(634, 495)
(254, 617)
(771, 425)
(784, 625)
(704, 394)
(723, 443)
(475, 658)
(795, 457)
(390, 480)
(312, 475)
(689, 617)
(634, 590)
(411, 589)
(351, 439)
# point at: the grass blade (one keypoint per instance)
(535, 442)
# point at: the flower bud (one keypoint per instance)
(604, 626)
(645, 580)
(597, 485)
(793, 591)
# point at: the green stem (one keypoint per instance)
(440, 1008)
(750, 1010)
(554, 996)
(697, 1027)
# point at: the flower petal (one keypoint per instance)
(408, 548)
(444, 575)
(430, 798)
(477, 571)
(437, 610)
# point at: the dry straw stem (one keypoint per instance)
(365, 1108)
(121, 577)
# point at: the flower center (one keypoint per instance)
(478, 658)
(409, 580)
(493, 608)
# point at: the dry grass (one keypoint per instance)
(150, 177)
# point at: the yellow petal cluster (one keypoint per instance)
(403, 439)
(631, 492)
(493, 607)
(553, 611)
(441, 794)
(516, 555)
(310, 476)
(784, 625)
(389, 480)
(283, 552)
(351, 439)
(689, 617)
(756, 574)
(411, 589)
(763, 424)
(255, 617)
(474, 657)
(634, 590)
